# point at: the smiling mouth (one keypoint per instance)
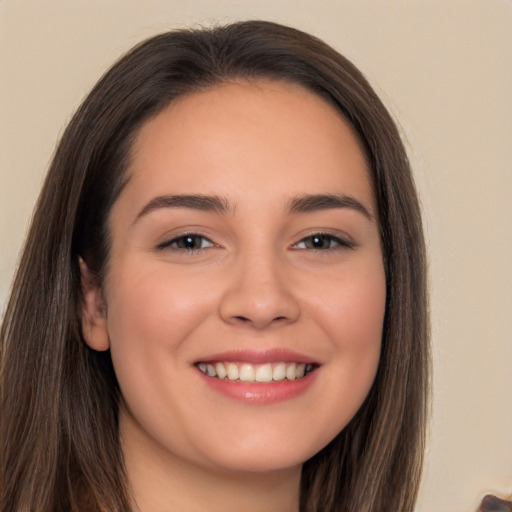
(247, 372)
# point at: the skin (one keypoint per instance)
(257, 284)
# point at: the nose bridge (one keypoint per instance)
(259, 291)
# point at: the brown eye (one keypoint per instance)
(190, 242)
(322, 242)
(319, 242)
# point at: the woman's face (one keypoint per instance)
(245, 294)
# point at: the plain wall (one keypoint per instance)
(443, 68)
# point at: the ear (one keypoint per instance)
(94, 318)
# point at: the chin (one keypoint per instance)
(258, 454)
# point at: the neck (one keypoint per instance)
(163, 482)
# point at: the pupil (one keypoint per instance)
(190, 242)
(318, 241)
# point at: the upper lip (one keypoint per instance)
(276, 355)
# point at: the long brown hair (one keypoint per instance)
(59, 399)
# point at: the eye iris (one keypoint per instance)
(319, 242)
(190, 242)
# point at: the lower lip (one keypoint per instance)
(261, 392)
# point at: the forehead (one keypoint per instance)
(236, 136)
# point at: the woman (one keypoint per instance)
(221, 302)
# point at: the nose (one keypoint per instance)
(259, 294)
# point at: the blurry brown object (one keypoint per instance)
(492, 503)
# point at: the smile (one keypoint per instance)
(248, 372)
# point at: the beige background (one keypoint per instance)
(443, 68)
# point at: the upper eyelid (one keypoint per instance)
(342, 236)
(167, 242)
(342, 241)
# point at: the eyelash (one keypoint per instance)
(173, 243)
(340, 243)
(316, 238)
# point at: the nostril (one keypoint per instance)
(241, 318)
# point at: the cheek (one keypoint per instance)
(353, 319)
(351, 307)
(150, 317)
(157, 307)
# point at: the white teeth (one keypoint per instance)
(291, 372)
(247, 372)
(232, 371)
(279, 372)
(264, 373)
(221, 370)
(210, 370)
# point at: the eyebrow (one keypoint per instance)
(302, 204)
(193, 201)
(317, 202)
